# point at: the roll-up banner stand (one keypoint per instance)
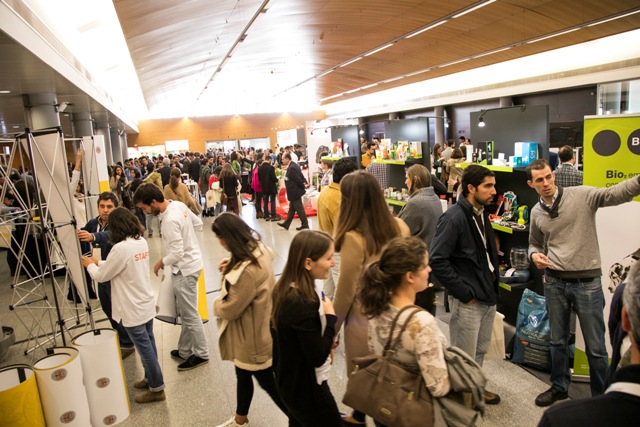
(51, 164)
(62, 392)
(103, 376)
(611, 155)
(19, 398)
(166, 310)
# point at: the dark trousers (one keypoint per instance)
(296, 206)
(232, 205)
(244, 390)
(320, 411)
(269, 198)
(258, 202)
(104, 294)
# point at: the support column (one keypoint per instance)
(116, 150)
(82, 125)
(440, 138)
(124, 145)
(103, 128)
(42, 111)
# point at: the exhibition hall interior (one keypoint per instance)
(89, 85)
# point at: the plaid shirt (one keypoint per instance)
(379, 171)
(568, 176)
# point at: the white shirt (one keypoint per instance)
(178, 235)
(294, 157)
(127, 267)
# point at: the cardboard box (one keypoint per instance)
(485, 151)
(528, 151)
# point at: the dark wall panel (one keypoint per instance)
(506, 126)
(349, 134)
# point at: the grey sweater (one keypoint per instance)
(421, 213)
(570, 240)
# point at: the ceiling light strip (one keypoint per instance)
(473, 7)
(240, 39)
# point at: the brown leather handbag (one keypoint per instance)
(388, 392)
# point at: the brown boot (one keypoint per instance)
(259, 215)
(151, 396)
(142, 385)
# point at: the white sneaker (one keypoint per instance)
(232, 423)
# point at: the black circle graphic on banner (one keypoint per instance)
(633, 142)
(606, 143)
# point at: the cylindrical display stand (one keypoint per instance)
(19, 398)
(64, 398)
(103, 376)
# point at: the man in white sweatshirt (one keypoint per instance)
(184, 259)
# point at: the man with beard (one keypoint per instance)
(464, 258)
(183, 260)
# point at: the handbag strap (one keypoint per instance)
(392, 345)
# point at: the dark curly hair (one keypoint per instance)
(122, 224)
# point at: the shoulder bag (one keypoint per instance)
(388, 392)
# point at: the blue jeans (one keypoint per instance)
(471, 326)
(104, 294)
(266, 198)
(143, 339)
(149, 221)
(192, 339)
(587, 299)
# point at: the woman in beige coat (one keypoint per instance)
(176, 190)
(243, 310)
(364, 226)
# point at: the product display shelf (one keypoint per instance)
(490, 167)
(398, 162)
(509, 230)
(395, 202)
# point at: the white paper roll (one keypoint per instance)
(103, 376)
(19, 398)
(64, 398)
(166, 301)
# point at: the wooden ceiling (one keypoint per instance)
(188, 53)
(181, 45)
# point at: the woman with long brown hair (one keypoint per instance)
(177, 190)
(302, 327)
(243, 310)
(229, 186)
(364, 226)
(127, 267)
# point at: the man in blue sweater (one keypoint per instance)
(563, 241)
(95, 237)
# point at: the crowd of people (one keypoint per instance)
(373, 265)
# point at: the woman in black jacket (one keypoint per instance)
(269, 182)
(229, 186)
(302, 326)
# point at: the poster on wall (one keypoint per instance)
(611, 155)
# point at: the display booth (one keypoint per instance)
(611, 155)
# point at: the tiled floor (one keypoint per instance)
(206, 396)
